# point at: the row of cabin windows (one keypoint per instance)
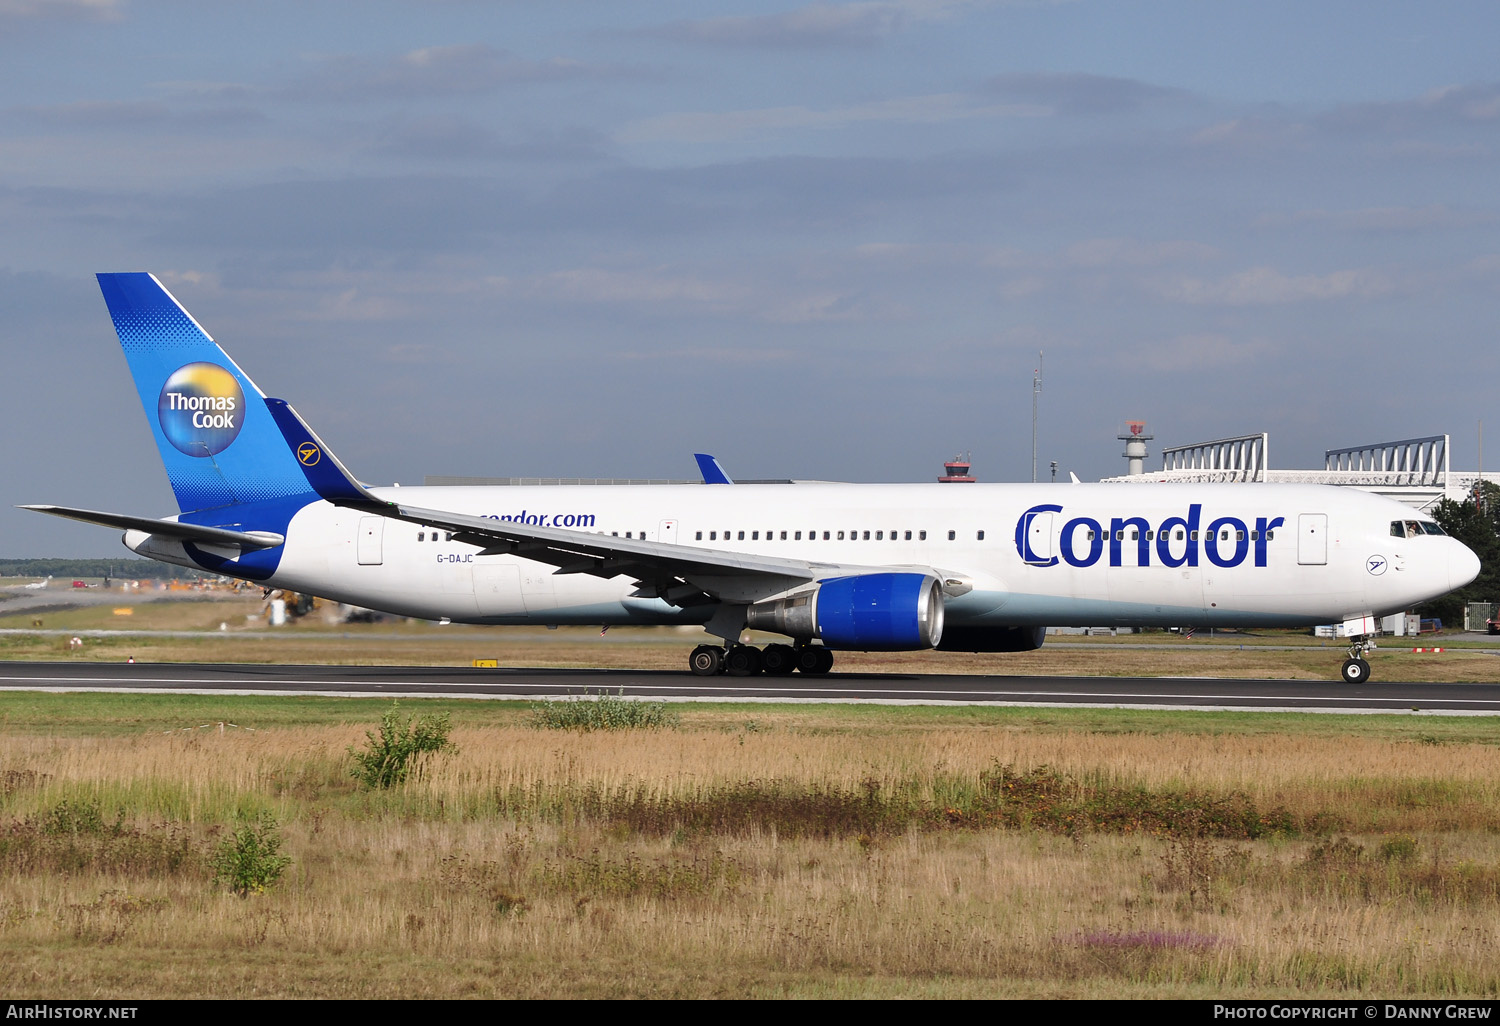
(827, 535)
(422, 536)
(1135, 535)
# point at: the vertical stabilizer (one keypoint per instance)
(218, 441)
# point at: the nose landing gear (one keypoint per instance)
(1355, 670)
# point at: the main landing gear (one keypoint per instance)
(1355, 669)
(747, 660)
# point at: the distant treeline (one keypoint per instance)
(129, 569)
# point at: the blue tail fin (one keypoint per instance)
(220, 444)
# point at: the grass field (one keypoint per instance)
(750, 851)
(1285, 655)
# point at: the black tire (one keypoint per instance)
(778, 660)
(814, 659)
(1355, 671)
(706, 661)
(742, 661)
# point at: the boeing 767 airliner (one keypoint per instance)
(864, 567)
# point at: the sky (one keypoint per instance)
(585, 238)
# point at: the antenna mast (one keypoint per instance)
(1036, 389)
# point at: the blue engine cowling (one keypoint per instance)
(888, 612)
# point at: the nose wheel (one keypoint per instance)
(1355, 670)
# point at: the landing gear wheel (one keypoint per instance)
(742, 661)
(814, 659)
(1356, 671)
(706, 661)
(778, 660)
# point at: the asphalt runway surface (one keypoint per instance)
(896, 688)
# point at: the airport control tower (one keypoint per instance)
(956, 471)
(1135, 439)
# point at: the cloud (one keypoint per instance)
(1474, 104)
(1384, 219)
(1108, 253)
(1263, 286)
(450, 138)
(91, 115)
(1256, 132)
(433, 71)
(1079, 94)
(816, 25)
(738, 124)
(45, 9)
(1191, 353)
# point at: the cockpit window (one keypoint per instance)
(1398, 529)
(1431, 528)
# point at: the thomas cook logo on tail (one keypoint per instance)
(201, 409)
(309, 454)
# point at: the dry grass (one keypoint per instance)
(883, 857)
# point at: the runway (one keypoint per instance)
(911, 689)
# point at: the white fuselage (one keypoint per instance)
(1030, 555)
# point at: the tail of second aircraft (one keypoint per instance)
(218, 440)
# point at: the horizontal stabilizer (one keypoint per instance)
(169, 528)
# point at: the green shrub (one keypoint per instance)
(604, 712)
(399, 748)
(250, 859)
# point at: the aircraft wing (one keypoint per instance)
(168, 528)
(681, 574)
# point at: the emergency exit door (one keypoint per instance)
(371, 534)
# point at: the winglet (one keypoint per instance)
(710, 469)
(325, 473)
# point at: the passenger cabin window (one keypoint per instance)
(421, 536)
(880, 536)
(713, 535)
(952, 535)
(825, 535)
(797, 536)
(698, 536)
(742, 536)
(783, 535)
(908, 536)
(867, 536)
(755, 536)
(921, 536)
(979, 536)
(841, 535)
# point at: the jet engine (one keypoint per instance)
(888, 612)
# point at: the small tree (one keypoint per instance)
(398, 749)
(1475, 522)
(250, 859)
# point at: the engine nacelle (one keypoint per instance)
(888, 612)
(993, 639)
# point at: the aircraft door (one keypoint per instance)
(667, 532)
(1038, 539)
(1312, 539)
(497, 589)
(368, 545)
